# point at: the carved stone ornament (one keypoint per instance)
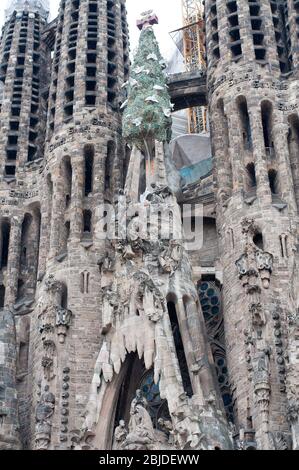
(262, 388)
(279, 441)
(107, 262)
(188, 433)
(171, 257)
(63, 322)
(150, 297)
(252, 264)
(52, 285)
(258, 318)
(293, 410)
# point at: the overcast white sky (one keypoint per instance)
(168, 11)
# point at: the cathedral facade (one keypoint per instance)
(116, 332)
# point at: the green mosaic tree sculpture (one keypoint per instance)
(147, 114)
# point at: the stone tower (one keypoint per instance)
(252, 85)
(84, 161)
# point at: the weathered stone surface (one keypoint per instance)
(138, 342)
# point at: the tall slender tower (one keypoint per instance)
(252, 78)
(84, 162)
(25, 65)
(23, 113)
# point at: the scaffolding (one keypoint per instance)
(190, 40)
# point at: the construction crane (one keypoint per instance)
(190, 39)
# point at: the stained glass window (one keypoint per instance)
(157, 407)
(210, 299)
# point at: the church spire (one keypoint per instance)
(147, 115)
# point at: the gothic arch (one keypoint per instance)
(245, 124)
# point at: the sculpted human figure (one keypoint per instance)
(141, 432)
(120, 435)
(44, 413)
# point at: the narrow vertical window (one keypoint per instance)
(89, 163)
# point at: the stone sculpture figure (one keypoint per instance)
(141, 434)
(44, 412)
(171, 256)
(120, 435)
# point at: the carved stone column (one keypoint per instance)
(201, 367)
(280, 137)
(77, 198)
(262, 392)
(263, 187)
(9, 436)
(57, 218)
(13, 260)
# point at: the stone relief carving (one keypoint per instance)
(150, 297)
(255, 265)
(63, 322)
(52, 284)
(44, 413)
(107, 262)
(279, 441)
(171, 256)
(258, 317)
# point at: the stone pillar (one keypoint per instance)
(133, 176)
(77, 198)
(236, 148)
(203, 362)
(26, 96)
(259, 157)
(57, 219)
(9, 420)
(13, 266)
(280, 137)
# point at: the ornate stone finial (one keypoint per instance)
(31, 6)
(148, 18)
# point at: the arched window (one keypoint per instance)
(222, 144)
(126, 164)
(64, 297)
(179, 346)
(245, 123)
(68, 175)
(4, 239)
(89, 165)
(2, 295)
(267, 121)
(273, 182)
(87, 219)
(258, 240)
(223, 125)
(251, 178)
(109, 164)
(211, 304)
(21, 289)
(26, 241)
